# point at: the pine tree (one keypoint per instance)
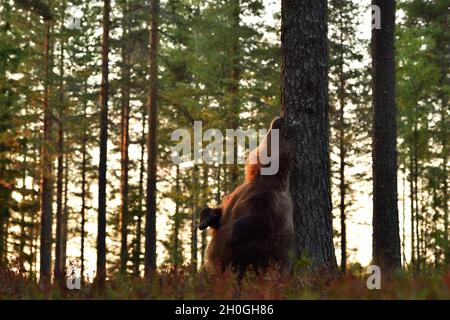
(46, 167)
(305, 109)
(124, 139)
(386, 239)
(344, 88)
(150, 223)
(101, 233)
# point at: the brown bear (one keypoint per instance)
(254, 225)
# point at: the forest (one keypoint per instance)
(93, 206)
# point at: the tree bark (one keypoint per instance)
(233, 112)
(57, 272)
(46, 172)
(412, 215)
(342, 155)
(22, 212)
(177, 261)
(137, 250)
(386, 240)
(65, 218)
(194, 219)
(305, 109)
(35, 219)
(416, 194)
(58, 269)
(150, 223)
(83, 201)
(205, 199)
(84, 163)
(124, 143)
(101, 233)
(404, 215)
(443, 97)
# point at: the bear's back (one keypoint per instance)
(270, 204)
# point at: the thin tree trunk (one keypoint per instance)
(83, 200)
(435, 230)
(415, 190)
(386, 239)
(194, 238)
(35, 220)
(423, 233)
(2, 240)
(6, 230)
(342, 155)
(22, 211)
(84, 173)
(57, 272)
(218, 193)
(150, 223)
(65, 218)
(204, 201)
(176, 240)
(404, 215)
(101, 233)
(46, 172)
(412, 203)
(58, 268)
(137, 252)
(225, 180)
(444, 134)
(305, 109)
(234, 86)
(3, 236)
(124, 143)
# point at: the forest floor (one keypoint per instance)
(180, 284)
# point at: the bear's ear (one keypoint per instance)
(210, 217)
(277, 123)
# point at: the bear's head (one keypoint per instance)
(273, 157)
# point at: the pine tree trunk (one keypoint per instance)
(101, 233)
(23, 236)
(342, 191)
(58, 269)
(83, 176)
(6, 230)
(386, 239)
(65, 218)
(342, 155)
(445, 148)
(404, 216)
(412, 203)
(4, 208)
(416, 197)
(46, 172)
(218, 192)
(137, 251)
(205, 196)
(150, 223)
(305, 109)
(235, 76)
(194, 219)
(435, 231)
(3, 239)
(124, 143)
(57, 272)
(83, 201)
(35, 220)
(176, 237)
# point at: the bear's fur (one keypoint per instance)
(254, 226)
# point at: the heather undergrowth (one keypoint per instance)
(173, 283)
